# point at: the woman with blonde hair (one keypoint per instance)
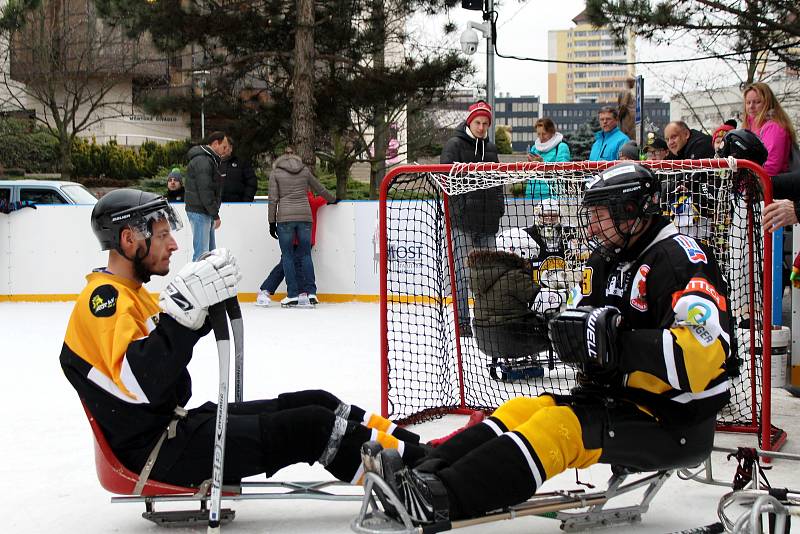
(764, 116)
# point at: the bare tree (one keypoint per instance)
(71, 68)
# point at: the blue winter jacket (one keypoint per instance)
(606, 145)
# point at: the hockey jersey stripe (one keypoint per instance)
(537, 470)
(493, 424)
(719, 389)
(669, 359)
(134, 393)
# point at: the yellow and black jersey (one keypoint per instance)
(676, 336)
(127, 362)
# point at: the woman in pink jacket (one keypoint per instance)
(764, 116)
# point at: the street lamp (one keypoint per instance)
(202, 76)
(469, 44)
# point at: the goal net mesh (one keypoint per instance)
(430, 369)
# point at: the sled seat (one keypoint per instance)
(118, 479)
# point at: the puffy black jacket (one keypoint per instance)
(698, 146)
(477, 211)
(203, 182)
(504, 325)
(240, 183)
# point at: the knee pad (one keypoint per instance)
(516, 411)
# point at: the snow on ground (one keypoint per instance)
(47, 470)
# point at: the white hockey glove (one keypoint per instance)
(198, 285)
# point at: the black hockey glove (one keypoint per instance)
(273, 230)
(586, 338)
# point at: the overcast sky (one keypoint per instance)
(522, 31)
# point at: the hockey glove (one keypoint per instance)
(273, 230)
(198, 285)
(586, 338)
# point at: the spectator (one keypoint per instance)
(275, 277)
(719, 133)
(475, 216)
(549, 147)
(686, 143)
(608, 140)
(204, 191)
(241, 181)
(290, 218)
(175, 189)
(656, 148)
(629, 152)
(626, 108)
(765, 117)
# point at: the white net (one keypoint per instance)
(432, 370)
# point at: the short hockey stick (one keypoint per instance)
(237, 325)
(219, 322)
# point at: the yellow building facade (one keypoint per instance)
(569, 83)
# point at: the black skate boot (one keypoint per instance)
(423, 495)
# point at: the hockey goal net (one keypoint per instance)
(434, 362)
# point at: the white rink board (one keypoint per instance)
(49, 250)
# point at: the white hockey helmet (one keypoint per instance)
(547, 212)
(517, 241)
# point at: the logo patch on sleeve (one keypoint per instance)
(639, 288)
(692, 249)
(103, 302)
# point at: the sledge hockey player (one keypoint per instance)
(649, 334)
(504, 324)
(126, 355)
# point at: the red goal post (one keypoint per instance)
(428, 368)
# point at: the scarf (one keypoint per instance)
(547, 146)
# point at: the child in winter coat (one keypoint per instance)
(502, 285)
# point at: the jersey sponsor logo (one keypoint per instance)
(692, 249)
(700, 316)
(698, 313)
(702, 285)
(639, 289)
(103, 302)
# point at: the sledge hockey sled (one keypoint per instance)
(117, 479)
(577, 509)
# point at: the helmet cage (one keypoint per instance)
(142, 217)
(140, 220)
(626, 202)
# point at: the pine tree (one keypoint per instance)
(503, 140)
(581, 140)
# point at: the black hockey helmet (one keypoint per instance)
(631, 192)
(130, 208)
(743, 144)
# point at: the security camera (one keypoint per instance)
(469, 41)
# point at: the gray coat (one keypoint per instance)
(203, 181)
(288, 185)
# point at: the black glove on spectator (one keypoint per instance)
(586, 338)
(273, 230)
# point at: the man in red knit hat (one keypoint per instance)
(475, 216)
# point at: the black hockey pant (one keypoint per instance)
(263, 436)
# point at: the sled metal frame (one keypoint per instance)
(116, 478)
(373, 520)
(705, 472)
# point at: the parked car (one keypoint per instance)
(45, 192)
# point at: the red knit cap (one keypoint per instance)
(479, 109)
(722, 130)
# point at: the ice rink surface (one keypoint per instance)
(47, 469)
